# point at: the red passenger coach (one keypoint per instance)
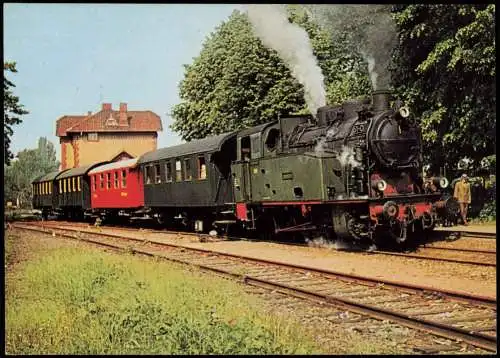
(116, 188)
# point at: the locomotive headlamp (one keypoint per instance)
(381, 185)
(404, 112)
(443, 182)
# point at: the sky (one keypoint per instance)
(73, 57)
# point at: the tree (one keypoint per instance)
(28, 165)
(445, 68)
(236, 82)
(12, 109)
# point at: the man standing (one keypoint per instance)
(462, 194)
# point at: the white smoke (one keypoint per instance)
(291, 42)
(321, 242)
(347, 157)
(370, 28)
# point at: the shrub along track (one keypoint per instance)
(453, 315)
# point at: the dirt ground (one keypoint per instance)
(452, 276)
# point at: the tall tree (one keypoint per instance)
(12, 110)
(445, 67)
(236, 82)
(28, 165)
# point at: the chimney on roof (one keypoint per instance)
(106, 106)
(123, 115)
(89, 113)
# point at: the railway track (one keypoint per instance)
(476, 257)
(453, 315)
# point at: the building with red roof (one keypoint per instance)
(106, 135)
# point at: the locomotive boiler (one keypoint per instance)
(353, 171)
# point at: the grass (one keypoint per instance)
(85, 301)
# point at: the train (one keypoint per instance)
(352, 171)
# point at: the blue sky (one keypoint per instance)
(72, 57)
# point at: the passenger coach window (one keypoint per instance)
(187, 169)
(157, 173)
(116, 179)
(202, 168)
(64, 185)
(74, 183)
(60, 187)
(94, 180)
(79, 183)
(68, 184)
(101, 177)
(168, 172)
(178, 172)
(50, 188)
(124, 178)
(108, 181)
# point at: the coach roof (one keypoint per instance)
(46, 177)
(78, 171)
(115, 165)
(207, 145)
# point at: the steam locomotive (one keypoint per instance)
(352, 171)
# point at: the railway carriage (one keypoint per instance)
(43, 193)
(72, 192)
(116, 189)
(191, 182)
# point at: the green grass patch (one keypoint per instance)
(83, 301)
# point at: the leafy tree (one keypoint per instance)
(28, 165)
(445, 67)
(12, 109)
(236, 82)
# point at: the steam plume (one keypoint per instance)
(370, 28)
(291, 42)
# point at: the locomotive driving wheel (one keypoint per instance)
(398, 231)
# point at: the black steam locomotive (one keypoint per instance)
(352, 171)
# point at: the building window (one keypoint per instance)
(116, 180)
(74, 183)
(187, 169)
(178, 171)
(101, 177)
(202, 168)
(124, 178)
(168, 172)
(92, 137)
(79, 183)
(108, 181)
(157, 173)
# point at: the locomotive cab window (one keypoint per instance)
(187, 169)
(168, 172)
(157, 173)
(245, 148)
(124, 178)
(202, 168)
(272, 139)
(178, 170)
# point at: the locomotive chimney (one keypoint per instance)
(321, 119)
(380, 100)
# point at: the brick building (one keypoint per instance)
(106, 135)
